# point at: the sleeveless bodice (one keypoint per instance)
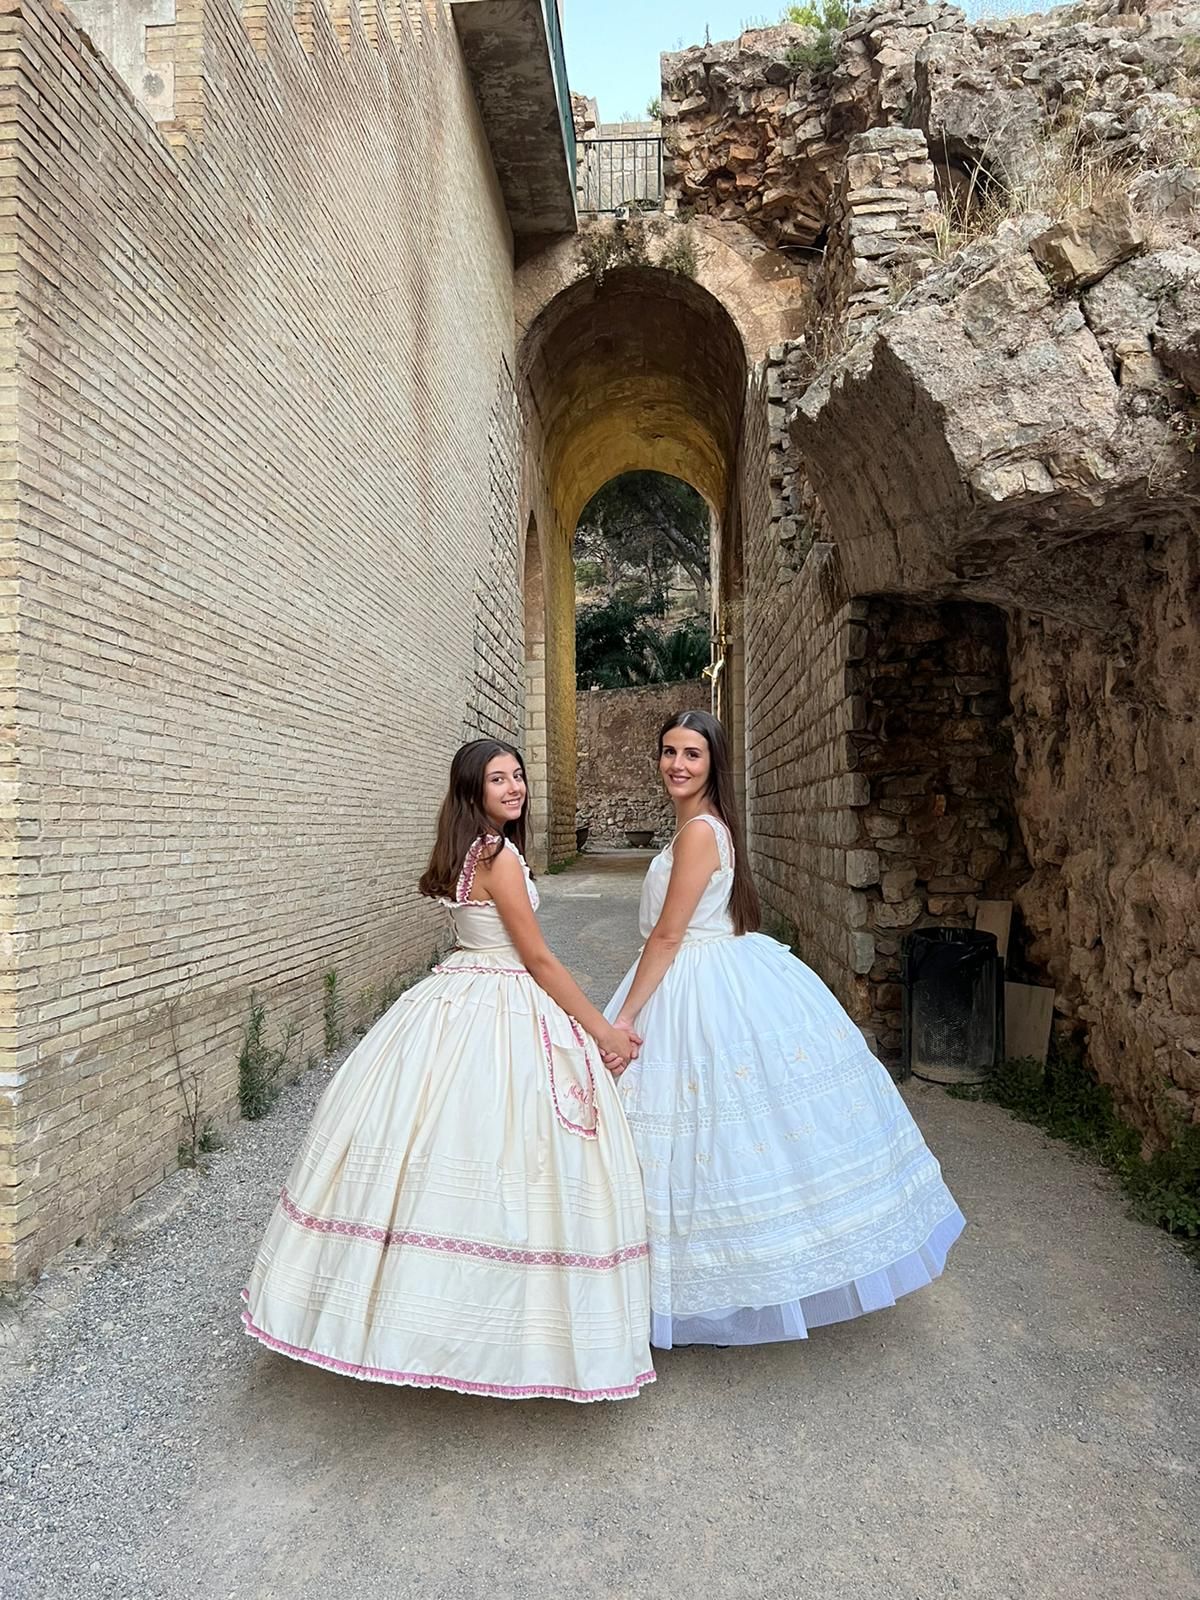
(711, 919)
(477, 923)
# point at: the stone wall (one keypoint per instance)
(260, 496)
(931, 750)
(881, 230)
(981, 475)
(618, 784)
(1107, 752)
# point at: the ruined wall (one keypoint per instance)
(931, 749)
(261, 473)
(1107, 751)
(980, 467)
(619, 787)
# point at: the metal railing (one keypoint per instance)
(562, 86)
(620, 172)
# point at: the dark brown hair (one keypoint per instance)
(462, 819)
(743, 901)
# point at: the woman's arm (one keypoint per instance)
(503, 882)
(695, 859)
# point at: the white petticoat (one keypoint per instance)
(787, 1184)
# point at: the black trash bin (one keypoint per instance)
(952, 984)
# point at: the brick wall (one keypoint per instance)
(803, 791)
(618, 786)
(496, 709)
(800, 790)
(265, 420)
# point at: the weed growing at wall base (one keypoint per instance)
(261, 1066)
(1065, 1100)
(331, 1012)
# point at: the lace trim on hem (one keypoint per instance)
(426, 1380)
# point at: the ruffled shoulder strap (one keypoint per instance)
(466, 878)
(720, 832)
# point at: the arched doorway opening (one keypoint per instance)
(643, 646)
(643, 370)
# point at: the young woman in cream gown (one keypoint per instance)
(466, 1211)
(786, 1183)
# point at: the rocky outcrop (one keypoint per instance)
(756, 130)
(744, 130)
(985, 428)
(1012, 431)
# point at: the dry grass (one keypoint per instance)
(1071, 173)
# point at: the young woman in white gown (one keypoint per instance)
(466, 1211)
(786, 1183)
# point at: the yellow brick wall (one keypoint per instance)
(264, 382)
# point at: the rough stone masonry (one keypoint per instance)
(971, 619)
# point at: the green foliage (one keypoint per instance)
(828, 14)
(654, 108)
(331, 1013)
(589, 574)
(260, 1065)
(1065, 1100)
(636, 530)
(682, 654)
(680, 255)
(616, 649)
(611, 644)
(634, 536)
(828, 17)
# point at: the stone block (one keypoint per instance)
(901, 915)
(898, 884)
(1084, 247)
(862, 952)
(862, 868)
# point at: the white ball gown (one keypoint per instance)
(466, 1212)
(787, 1185)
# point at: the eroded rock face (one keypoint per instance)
(1002, 438)
(756, 129)
(985, 432)
(1107, 746)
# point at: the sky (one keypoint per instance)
(613, 46)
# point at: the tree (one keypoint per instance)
(639, 528)
(617, 648)
(611, 644)
(682, 654)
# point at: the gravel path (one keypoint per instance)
(1030, 1426)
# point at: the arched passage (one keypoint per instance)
(644, 370)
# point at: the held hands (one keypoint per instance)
(620, 1046)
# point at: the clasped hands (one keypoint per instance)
(617, 1060)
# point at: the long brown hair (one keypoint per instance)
(744, 907)
(463, 819)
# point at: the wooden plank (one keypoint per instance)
(1028, 1014)
(995, 916)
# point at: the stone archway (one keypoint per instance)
(642, 367)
